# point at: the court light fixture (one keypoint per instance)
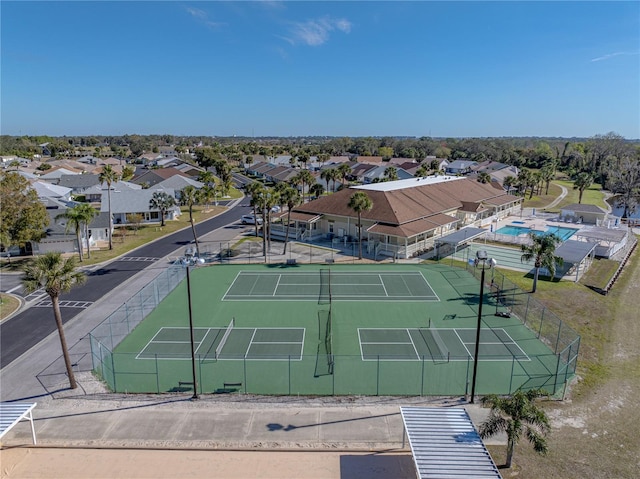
(188, 262)
(482, 259)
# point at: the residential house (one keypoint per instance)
(377, 174)
(359, 170)
(177, 183)
(460, 167)
(48, 190)
(79, 183)
(153, 177)
(125, 202)
(54, 174)
(407, 215)
(96, 193)
(496, 170)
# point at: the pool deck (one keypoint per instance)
(538, 223)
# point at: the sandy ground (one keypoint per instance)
(47, 463)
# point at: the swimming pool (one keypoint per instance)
(562, 232)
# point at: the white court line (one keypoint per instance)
(413, 344)
(383, 287)
(277, 284)
(463, 343)
(246, 353)
(202, 341)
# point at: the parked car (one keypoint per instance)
(250, 220)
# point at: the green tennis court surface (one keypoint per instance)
(345, 286)
(240, 343)
(418, 344)
(393, 329)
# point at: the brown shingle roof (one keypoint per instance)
(397, 207)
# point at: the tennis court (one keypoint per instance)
(446, 344)
(226, 344)
(345, 286)
(396, 329)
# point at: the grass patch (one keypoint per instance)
(540, 201)
(600, 273)
(148, 233)
(591, 196)
(8, 304)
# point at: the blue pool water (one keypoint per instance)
(562, 232)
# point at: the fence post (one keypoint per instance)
(244, 367)
(378, 377)
(513, 363)
(541, 321)
(422, 378)
(289, 375)
(157, 374)
(558, 337)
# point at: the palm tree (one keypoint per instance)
(56, 275)
(391, 173)
(128, 172)
(291, 198)
(317, 190)
(88, 212)
(344, 170)
(304, 177)
(542, 251)
(75, 219)
(327, 175)
(360, 202)
(422, 171)
(109, 176)
(190, 197)
(484, 177)
(256, 190)
(161, 201)
(582, 182)
(516, 415)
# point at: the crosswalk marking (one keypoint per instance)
(138, 258)
(64, 304)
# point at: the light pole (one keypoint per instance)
(188, 263)
(481, 258)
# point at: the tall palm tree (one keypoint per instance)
(88, 212)
(190, 197)
(360, 202)
(291, 198)
(304, 177)
(344, 170)
(327, 175)
(582, 182)
(255, 189)
(516, 415)
(75, 219)
(109, 176)
(542, 252)
(56, 275)
(161, 201)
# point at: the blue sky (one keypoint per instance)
(454, 69)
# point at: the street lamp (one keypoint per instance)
(188, 262)
(481, 258)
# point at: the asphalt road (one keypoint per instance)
(26, 329)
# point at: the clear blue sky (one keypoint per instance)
(455, 69)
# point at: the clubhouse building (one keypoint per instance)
(407, 216)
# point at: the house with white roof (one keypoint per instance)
(125, 202)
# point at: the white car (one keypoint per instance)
(250, 220)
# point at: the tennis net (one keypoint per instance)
(325, 287)
(225, 336)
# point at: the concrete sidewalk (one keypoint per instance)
(230, 422)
